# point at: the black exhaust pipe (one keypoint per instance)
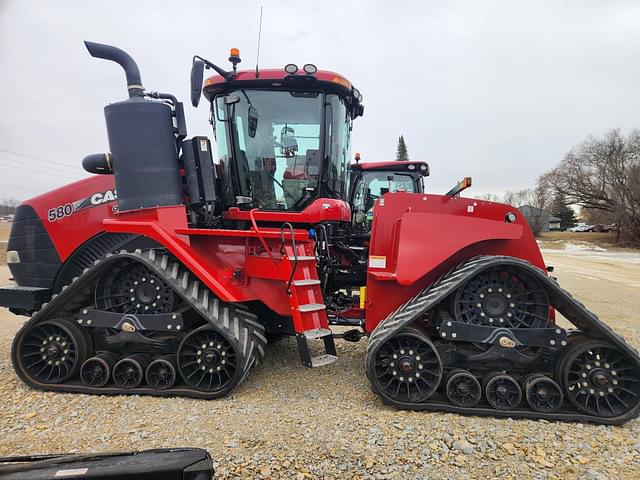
(122, 58)
(142, 140)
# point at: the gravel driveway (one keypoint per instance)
(291, 422)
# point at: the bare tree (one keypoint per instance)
(604, 174)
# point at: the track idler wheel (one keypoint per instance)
(129, 371)
(600, 379)
(51, 351)
(406, 368)
(161, 373)
(208, 360)
(96, 371)
(543, 394)
(463, 389)
(502, 391)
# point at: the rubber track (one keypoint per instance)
(560, 299)
(235, 320)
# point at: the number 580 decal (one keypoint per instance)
(60, 212)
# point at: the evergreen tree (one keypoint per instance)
(566, 214)
(401, 153)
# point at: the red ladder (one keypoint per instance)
(307, 305)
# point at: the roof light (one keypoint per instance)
(423, 167)
(291, 68)
(310, 69)
(411, 166)
(234, 52)
(341, 81)
(357, 94)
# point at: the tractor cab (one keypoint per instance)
(282, 136)
(369, 181)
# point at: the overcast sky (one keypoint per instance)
(498, 90)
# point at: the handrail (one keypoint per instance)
(295, 252)
(260, 237)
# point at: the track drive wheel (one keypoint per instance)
(406, 368)
(502, 391)
(50, 352)
(502, 297)
(463, 388)
(600, 379)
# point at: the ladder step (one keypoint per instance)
(303, 258)
(317, 333)
(304, 283)
(312, 307)
(323, 360)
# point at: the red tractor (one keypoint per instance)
(173, 285)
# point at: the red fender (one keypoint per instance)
(416, 238)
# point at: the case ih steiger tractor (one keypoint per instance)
(173, 287)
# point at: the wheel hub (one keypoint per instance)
(146, 293)
(211, 356)
(495, 304)
(462, 388)
(600, 378)
(53, 351)
(406, 365)
(542, 393)
(502, 391)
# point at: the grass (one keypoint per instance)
(557, 240)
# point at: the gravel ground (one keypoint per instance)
(289, 422)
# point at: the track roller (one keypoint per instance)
(406, 367)
(96, 371)
(502, 391)
(129, 371)
(600, 379)
(51, 351)
(463, 388)
(161, 373)
(543, 394)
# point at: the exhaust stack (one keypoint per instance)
(122, 58)
(142, 139)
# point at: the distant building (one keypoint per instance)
(554, 224)
(537, 218)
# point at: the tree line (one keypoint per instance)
(601, 175)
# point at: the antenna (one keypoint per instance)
(259, 36)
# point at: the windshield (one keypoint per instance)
(371, 187)
(278, 150)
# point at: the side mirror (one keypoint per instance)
(197, 76)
